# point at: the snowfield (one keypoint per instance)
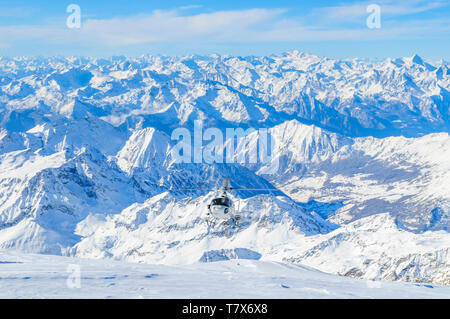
(45, 276)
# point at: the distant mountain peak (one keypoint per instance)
(416, 59)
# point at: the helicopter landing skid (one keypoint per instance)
(227, 226)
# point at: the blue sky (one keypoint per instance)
(335, 29)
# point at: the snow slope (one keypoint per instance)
(44, 276)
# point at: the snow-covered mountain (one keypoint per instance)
(407, 177)
(378, 248)
(165, 229)
(397, 96)
(87, 163)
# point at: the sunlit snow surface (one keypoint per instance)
(46, 276)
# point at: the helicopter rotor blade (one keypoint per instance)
(195, 189)
(228, 188)
(254, 189)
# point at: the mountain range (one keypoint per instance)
(87, 166)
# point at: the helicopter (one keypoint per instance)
(221, 209)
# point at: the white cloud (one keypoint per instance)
(252, 25)
(166, 26)
(159, 26)
(390, 8)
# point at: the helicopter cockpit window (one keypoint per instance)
(221, 201)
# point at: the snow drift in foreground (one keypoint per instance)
(45, 276)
